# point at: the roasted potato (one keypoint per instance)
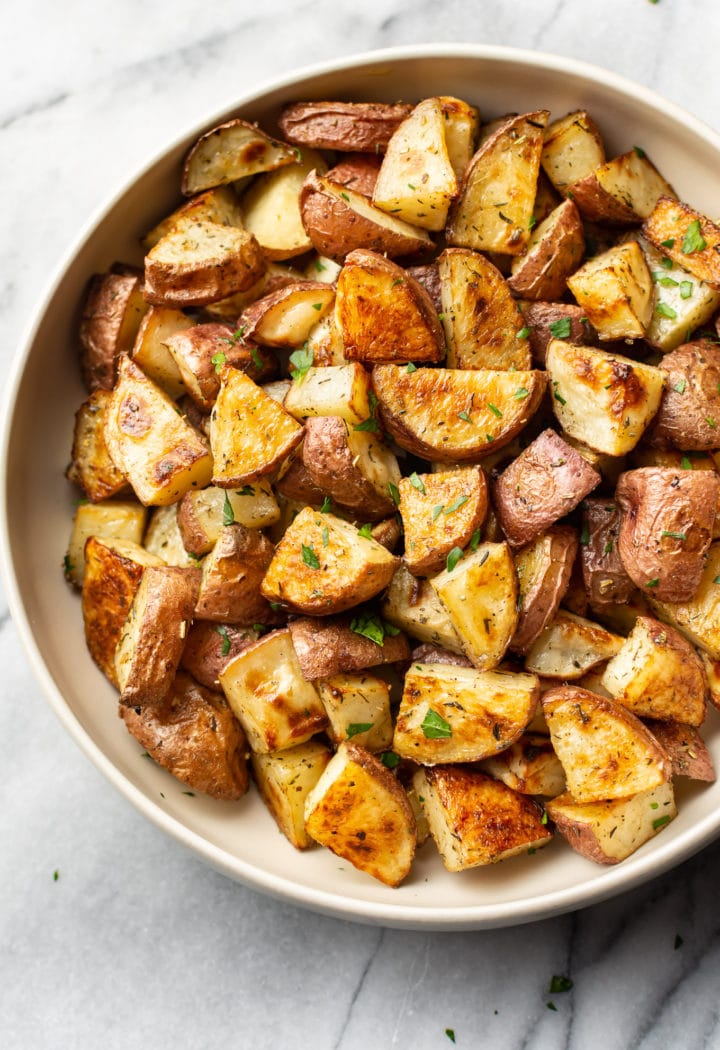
(439, 512)
(150, 351)
(344, 644)
(219, 205)
(210, 647)
(91, 466)
(112, 519)
(271, 208)
(543, 570)
(681, 304)
(698, 617)
(284, 780)
(230, 152)
(623, 190)
(615, 290)
(685, 748)
(555, 250)
(200, 352)
(111, 316)
(335, 390)
(606, 579)
(548, 321)
(529, 766)
(413, 606)
(366, 127)
(687, 237)
(570, 646)
(358, 709)
(164, 539)
(285, 317)
(572, 149)
(202, 513)
(231, 578)
(689, 414)
(357, 171)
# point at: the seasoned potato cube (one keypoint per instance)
(572, 149)
(266, 689)
(658, 674)
(604, 400)
(324, 343)
(687, 237)
(361, 812)
(529, 766)
(344, 126)
(199, 353)
(219, 205)
(162, 456)
(384, 314)
(150, 350)
(666, 528)
(286, 316)
(454, 415)
(615, 290)
(113, 570)
(624, 190)
(439, 512)
(322, 565)
(698, 618)
(555, 250)
(416, 180)
(685, 748)
(250, 433)
(681, 303)
(201, 514)
(232, 151)
(570, 646)
(605, 750)
(609, 831)
(112, 312)
(195, 736)
(496, 200)
(325, 647)
(481, 319)
(412, 605)
(689, 412)
(231, 578)
(461, 123)
(543, 484)
(210, 647)
(358, 708)
(91, 466)
(284, 780)
(336, 390)
(546, 319)
(153, 636)
(113, 519)
(271, 208)
(479, 593)
(606, 580)
(459, 714)
(475, 820)
(163, 537)
(543, 570)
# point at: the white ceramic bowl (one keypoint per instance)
(241, 839)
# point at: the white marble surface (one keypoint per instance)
(137, 943)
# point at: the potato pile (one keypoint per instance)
(400, 463)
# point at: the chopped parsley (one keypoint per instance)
(365, 531)
(524, 333)
(660, 822)
(437, 511)
(411, 368)
(374, 628)
(56, 875)
(256, 359)
(559, 983)
(475, 540)
(417, 482)
(326, 505)
(663, 310)
(301, 362)
(390, 759)
(686, 289)
(693, 240)
(371, 422)
(453, 558)
(456, 504)
(464, 415)
(640, 152)
(685, 463)
(653, 583)
(218, 360)
(666, 282)
(222, 630)
(495, 410)
(669, 243)
(450, 1033)
(228, 512)
(358, 727)
(585, 535)
(561, 328)
(673, 535)
(521, 393)
(325, 536)
(309, 557)
(557, 395)
(394, 493)
(679, 387)
(435, 727)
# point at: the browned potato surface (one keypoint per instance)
(572, 149)
(231, 578)
(687, 237)
(606, 579)
(344, 126)
(439, 512)
(91, 466)
(284, 779)
(555, 250)
(112, 312)
(689, 413)
(232, 151)
(543, 569)
(199, 353)
(326, 647)
(624, 190)
(570, 646)
(529, 766)
(685, 748)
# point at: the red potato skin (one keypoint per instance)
(358, 171)
(547, 265)
(539, 316)
(540, 607)
(685, 748)
(343, 126)
(604, 574)
(543, 484)
(204, 656)
(329, 463)
(655, 501)
(327, 647)
(429, 277)
(689, 415)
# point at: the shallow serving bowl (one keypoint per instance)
(241, 839)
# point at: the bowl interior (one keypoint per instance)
(240, 838)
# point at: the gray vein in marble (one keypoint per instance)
(12, 117)
(358, 988)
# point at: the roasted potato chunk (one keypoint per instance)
(210, 647)
(543, 484)
(698, 617)
(328, 647)
(572, 149)
(687, 237)
(455, 415)
(112, 312)
(606, 580)
(666, 528)
(476, 820)
(112, 519)
(360, 812)
(163, 538)
(284, 780)
(232, 151)
(322, 565)
(358, 708)
(605, 750)
(271, 207)
(624, 190)
(680, 303)
(460, 714)
(196, 737)
(413, 606)
(358, 171)
(602, 399)
(91, 466)
(439, 512)
(548, 321)
(689, 414)
(335, 390)
(529, 766)
(366, 127)
(286, 316)
(384, 314)
(200, 352)
(685, 748)
(150, 350)
(555, 250)
(543, 571)
(231, 578)
(615, 290)
(202, 513)
(219, 205)
(570, 646)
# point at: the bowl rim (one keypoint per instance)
(608, 882)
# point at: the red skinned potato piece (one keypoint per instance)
(556, 249)
(686, 749)
(343, 126)
(231, 578)
(689, 413)
(193, 351)
(542, 318)
(543, 484)
(429, 277)
(666, 528)
(112, 312)
(604, 574)
(328, 647)
(211, 646)
(358, 171)
(544, 569)
(433, 654)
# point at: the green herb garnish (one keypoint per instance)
(309, 557)
(434, 726)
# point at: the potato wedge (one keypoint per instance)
(324, 343)
(605, 577)
(322, 566)
(479, 593)
(605, 750)
(153, 637)
(685, 748)
(608, 832)
(482, 321)
(91, 466)
(666, 528)
(231, 578)
(353, 467)
(529, 766)
(570, 646)
(461, 714)
(413, 606)
(602, 399)
(150, 351)
(681, 303)
(162, 456)
(687, 237)
(163, 538)
(658, 674)
(462, 122)
(285, 317)
(338, 220)
(219, 205)
(440, 511)
(210, 647)
(271, 208)
(698, 618)
(111, 519)
(335, 390)
(365, 127)
(689, 414)
(361, 813)
(358, 171)
(555, 250)
(250, 433)
(203, 513)
(327, 648)
(425, 411)
(285, 779)
(384, 314)
(624, 190)
(232, 151)
(476, 820)
(548, 321)
(111, 316)
(543, 484)
(496, 199)
(200, 352)
(572, 149)
(417, 181)
(196, 737)
(265, 687)
(543, 571)
(615, 290)
(358, 709)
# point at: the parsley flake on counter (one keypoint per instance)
(434, 726)
(56, 875)
(450, 1033)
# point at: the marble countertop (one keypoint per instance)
(112, 935)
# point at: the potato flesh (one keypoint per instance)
(570, 646)
(572, 149)
(461, 122)
(202, 514)
(699, 618)
(150, 352)
(625, 189)
(112, 519)
(284, 779)
(164, 539)
(219, 205)
(230, 152)
(529, 766)
(286, 317)
(352, 701)
(440, 511)
(615, 291)
(668, 227)
(335, 390)
(91, 466)
(271, 208)
(413, 606)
